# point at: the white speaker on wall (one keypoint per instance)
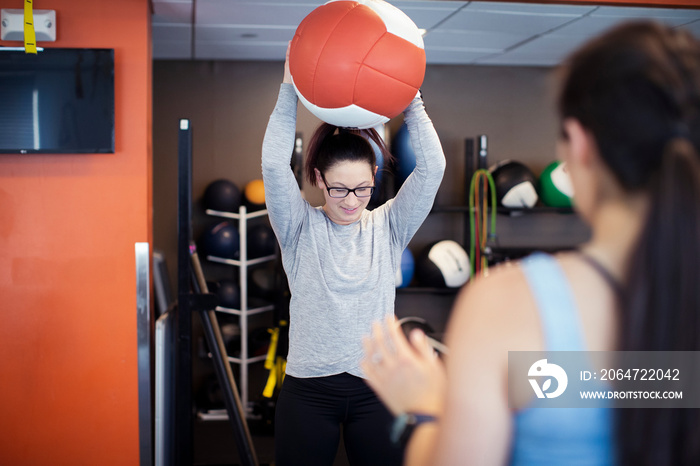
(12, 25)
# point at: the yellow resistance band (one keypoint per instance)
(275, 364)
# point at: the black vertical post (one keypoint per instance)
(483, 165)
(483, 152)
(183, 323)
(469, 169)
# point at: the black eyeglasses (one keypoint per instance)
(362, 191)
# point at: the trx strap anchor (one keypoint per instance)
(29, 33)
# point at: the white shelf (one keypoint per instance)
(250, 312)
(235, 360)
(220, 213)
(260, 358)
(259, 260)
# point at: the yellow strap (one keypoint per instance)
(275, 378)
(29, 34)
(275, 364)
(282, 365)
(270, 385)
(272, 350)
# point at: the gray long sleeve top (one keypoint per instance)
(341, 277)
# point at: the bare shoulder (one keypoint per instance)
(497, 291)
(497, 308)
(496, 278)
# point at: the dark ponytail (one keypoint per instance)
(663, 273)
(637, 90)
(331, 144)
(661, 307)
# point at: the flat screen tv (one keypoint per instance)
(57, 101)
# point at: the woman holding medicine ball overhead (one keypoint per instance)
(629, 107)
(340, 260)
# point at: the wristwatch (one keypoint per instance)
(405, 423)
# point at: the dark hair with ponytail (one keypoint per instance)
(331, 144)
(637, 90)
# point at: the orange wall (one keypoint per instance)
(68, 224)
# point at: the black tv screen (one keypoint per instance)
(57, 101)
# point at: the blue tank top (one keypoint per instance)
(559, 436)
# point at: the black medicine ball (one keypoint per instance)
(222, 195)
(261, 241)
(229, 294)
(515, 184)
(443, 264)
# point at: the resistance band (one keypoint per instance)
(481, 183)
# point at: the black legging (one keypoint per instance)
(308, 416)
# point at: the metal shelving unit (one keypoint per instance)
(245, 311)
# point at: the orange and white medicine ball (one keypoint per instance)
(357, 63)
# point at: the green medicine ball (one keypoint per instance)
(556, 189)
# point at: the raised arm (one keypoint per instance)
(415, 198)
(282, 195)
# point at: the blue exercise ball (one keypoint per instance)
(404, 273)
(405, 156)
(222, 240)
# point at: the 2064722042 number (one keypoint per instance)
(640, 374)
